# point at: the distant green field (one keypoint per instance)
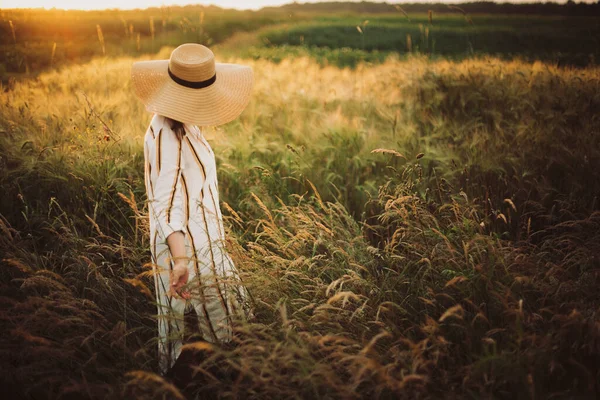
(570, 40)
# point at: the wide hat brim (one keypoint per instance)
(217, 104)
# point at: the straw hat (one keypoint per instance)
(190, 87)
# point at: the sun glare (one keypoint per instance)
(239, 4)
(131, 4)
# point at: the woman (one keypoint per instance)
(190, 263)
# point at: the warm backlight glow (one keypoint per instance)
(239, 4)
(131, 4)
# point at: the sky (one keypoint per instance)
(130, 4)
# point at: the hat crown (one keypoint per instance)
(192, 62)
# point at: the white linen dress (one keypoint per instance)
(183, 195)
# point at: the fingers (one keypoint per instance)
(175, 289)
(178, 278)
(180, 295)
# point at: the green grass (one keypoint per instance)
(571, 40)
(344, 57)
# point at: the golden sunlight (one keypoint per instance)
(132, 4)
(142, 4)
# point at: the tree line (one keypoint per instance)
(570, 8)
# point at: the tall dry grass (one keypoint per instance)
(459, 260)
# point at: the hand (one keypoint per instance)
(178, 277)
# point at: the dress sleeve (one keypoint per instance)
(167, 198)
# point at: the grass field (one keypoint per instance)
(33, 41)
(411, 227)
(554, 39)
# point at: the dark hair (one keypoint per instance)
(177, 127)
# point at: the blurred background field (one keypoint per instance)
(34, 40)
(423, 224)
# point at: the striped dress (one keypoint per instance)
(183, 195)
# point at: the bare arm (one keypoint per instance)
(176, 243)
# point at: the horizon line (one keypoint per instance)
(423, 2)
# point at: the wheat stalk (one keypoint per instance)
(12, 30)
(101, 38)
